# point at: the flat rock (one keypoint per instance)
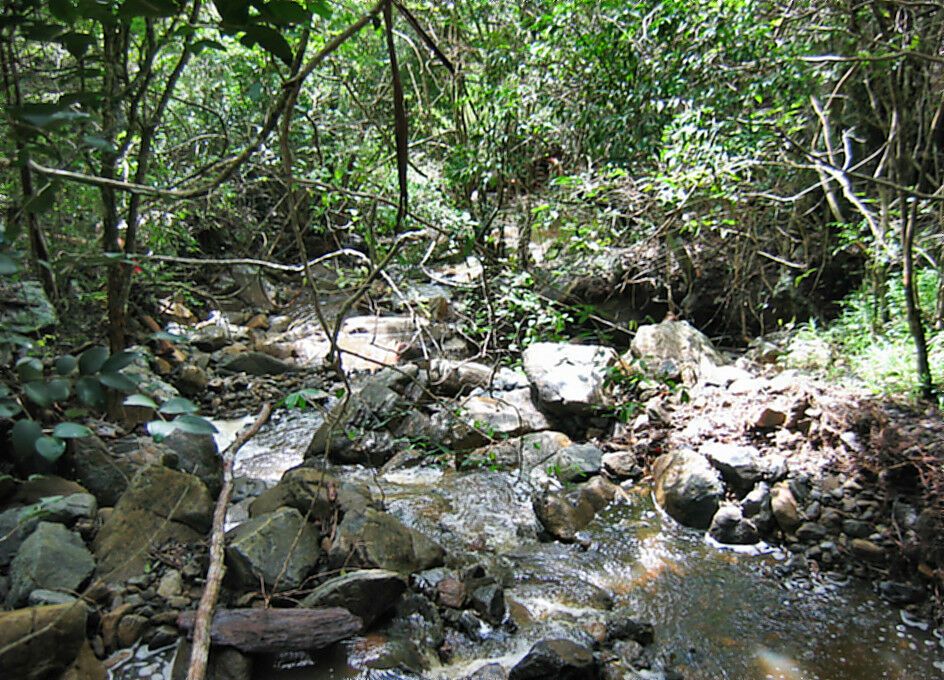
(40, 642)
(483, 418)
(256, 363)
(279, 548)
(366, 593)
(575, 463)
(569, 379)
(51, 558)
(160, 504)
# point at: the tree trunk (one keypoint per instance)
(915, 324)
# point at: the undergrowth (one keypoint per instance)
(875, 351)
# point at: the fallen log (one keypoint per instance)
(277, 630)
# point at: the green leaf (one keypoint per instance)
(177, 406)
(16, 339)
(9, 408)
(194, 425)
(66, 364)
(98, 143)
(268, 39)
(287, 12)
(153, 9)
(77, 44)
(7, 265)
(29, 368)
(118, 381)
(64, 10)
(160, 429)
(24, 436)
(119, 361)
(92, 360)
(50, 448)
(90, 392)
(320, 7)
(71, 431)
(39, 393)
(200, 45)
(140, 400)
(42, 201)
(44, 32)
(59, 389)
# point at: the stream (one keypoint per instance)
(718, 613)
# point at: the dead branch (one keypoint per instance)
(211, 591)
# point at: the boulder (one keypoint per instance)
(527, 452)
(103, 473)
(561, 659)
(372, 539)
(729, 526)
(19, 522)
(449, 377)
(366, 593)
(784, 506)
(278, 546)
(51, 558)
(198, 455)
(312, 491)
(569, 379)
(358, 429)
(160, 504)
(678, 342)
(192, 380)
(224, 663)
(575, 463)
(564, 513)
(86, 666)
(623, 625)
(40, 642)
(687, 487)
(488, 600)
(211, 338)
(740, 466)
(486, 417)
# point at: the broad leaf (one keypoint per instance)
(118, 381)
(98, 143)
(90, 392)
(9, 408)
(77, 44)
(268, 39)
(50, 448)
(42, 201)
(140, 400)
(152, 9)
(44, 32)
(7, 265)
(177, 406)
(92, 360)
(160, 429)
(195, 425)
(66, 364)
(320, 7)
(59, 389)
(71, 431)
(24, 436)
(64, 10)
(119, 361)
(29, 368)
(287, 12)
(39, 393)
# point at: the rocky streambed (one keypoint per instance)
(661, 513)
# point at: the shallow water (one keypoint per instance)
(717, 613)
